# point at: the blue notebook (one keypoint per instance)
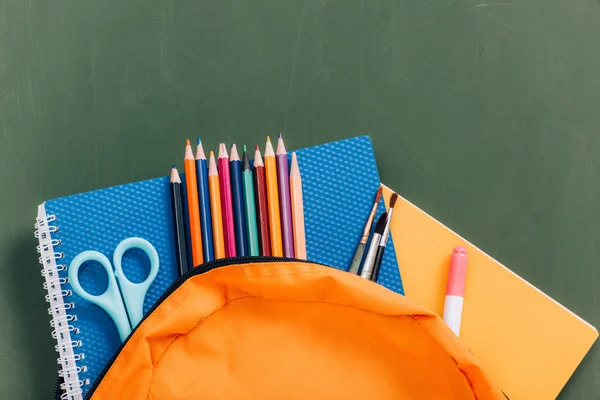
(339, 182)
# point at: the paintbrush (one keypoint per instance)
(384, 238)
(360, 249)
(367, 268)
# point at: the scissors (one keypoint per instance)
(124, 307)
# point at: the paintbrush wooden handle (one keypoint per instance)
(356, 260)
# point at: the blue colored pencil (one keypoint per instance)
(204, 204)
(237, 194)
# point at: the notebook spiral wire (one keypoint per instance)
(60, 309)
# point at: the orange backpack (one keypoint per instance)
(285, 329)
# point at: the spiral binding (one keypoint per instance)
(72, 387)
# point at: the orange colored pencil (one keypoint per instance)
(214, 190)
(273, 200)
(297, 209)
(191, 185)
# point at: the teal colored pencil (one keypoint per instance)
(251, 227)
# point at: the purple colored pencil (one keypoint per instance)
(285, 205)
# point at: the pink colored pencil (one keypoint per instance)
(226, 202)
(285, 207)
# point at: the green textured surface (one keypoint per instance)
(485, 114)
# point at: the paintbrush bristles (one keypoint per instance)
(378, 195)
(393, 200)
(380, 226)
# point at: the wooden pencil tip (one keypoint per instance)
(187, 142)
(294, 168)
(200, 151)
(280, 146)
(175, 175)
(257, 149)
(269, 149)
(393, 200)
(223, 151)
(234, 153)
(212, 165)
(280, 135)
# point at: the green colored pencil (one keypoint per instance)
(251, 226)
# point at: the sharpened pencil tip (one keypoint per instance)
(198, 141)
(200, 151)
(223, 151)
(212, 165)
(269, 149)
(280, 135)
(280, 146)
(187, 142)
(294, 169)
(175, 175)
(173, 167)
(234, 153)
(256, 148)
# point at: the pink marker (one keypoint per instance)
(455, 291)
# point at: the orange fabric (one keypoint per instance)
(292, 331)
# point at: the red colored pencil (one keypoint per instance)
(226, 202)
(262, 210)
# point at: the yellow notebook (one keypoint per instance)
(528, 343)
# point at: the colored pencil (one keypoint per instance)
(384, 238)
(262, 209)
(252, 230)
(226, 202)
(297, 209)
(360, 249)
(367, 268)
(215, 207)
(237, 196)
(178, 222)
(204, 203)
(191, 184)
(273, 200)
(285, 208)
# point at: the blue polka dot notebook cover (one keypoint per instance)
(339, 182)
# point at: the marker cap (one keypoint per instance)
(458, 272)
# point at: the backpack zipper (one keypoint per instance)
(175, 285)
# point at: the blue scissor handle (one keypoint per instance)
(134, 293)
(110, 301)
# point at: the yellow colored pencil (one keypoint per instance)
(273, 200)
(215, 207)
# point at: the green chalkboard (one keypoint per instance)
(484, 113)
